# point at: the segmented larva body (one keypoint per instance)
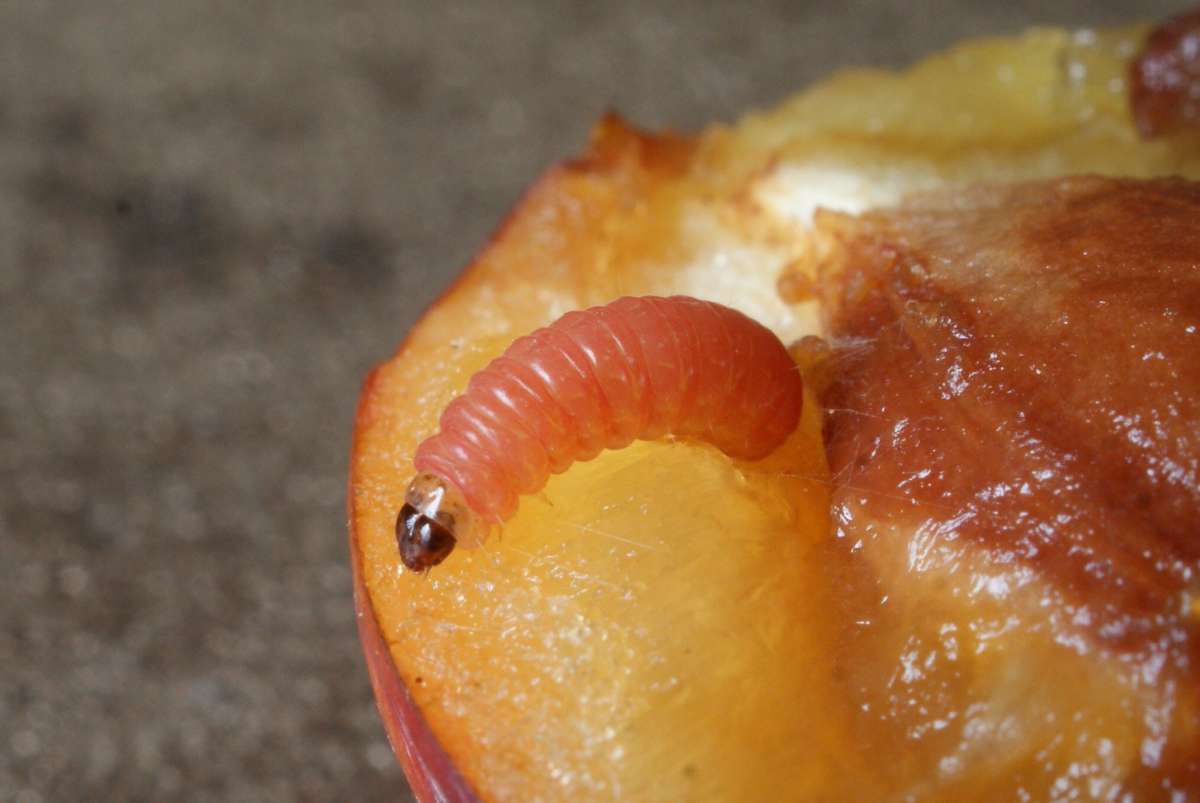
(634, 369)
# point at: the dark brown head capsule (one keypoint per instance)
(423, 542)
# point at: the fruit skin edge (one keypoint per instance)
(430, 772)
(605, 159)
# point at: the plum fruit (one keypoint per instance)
(664, 622)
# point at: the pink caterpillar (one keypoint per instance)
(635, 369)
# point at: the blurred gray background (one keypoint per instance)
(215, 217)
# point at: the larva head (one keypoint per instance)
(432, 521)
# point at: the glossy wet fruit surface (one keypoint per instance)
(663, 622)
(1014, 436)
(611, 610)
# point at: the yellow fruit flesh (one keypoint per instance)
(661, 623)
(617, 636)
(638, 595)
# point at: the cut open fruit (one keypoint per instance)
(662, 622)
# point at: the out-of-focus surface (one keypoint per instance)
(214, 218)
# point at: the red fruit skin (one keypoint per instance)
(621, 158)
(1164, 79)
(431, 773)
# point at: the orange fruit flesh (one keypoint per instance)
(639, 594)
(661, 622)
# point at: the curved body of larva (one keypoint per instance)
(634, 369)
